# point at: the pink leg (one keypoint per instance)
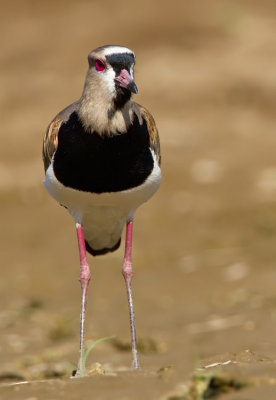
(84, 281)
(127, 273)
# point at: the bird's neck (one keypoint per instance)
(97, 115)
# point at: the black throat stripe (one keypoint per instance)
(93, 163)
(119, 62)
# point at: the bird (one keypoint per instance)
(102, 161)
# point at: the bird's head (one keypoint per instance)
(110, 74)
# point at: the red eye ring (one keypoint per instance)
(99, 65)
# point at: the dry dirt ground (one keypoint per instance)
(204, 247)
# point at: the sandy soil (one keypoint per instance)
(204, 249)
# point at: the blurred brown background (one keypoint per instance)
(204, 246)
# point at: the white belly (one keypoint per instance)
(104, 215)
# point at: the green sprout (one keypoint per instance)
(91, 347)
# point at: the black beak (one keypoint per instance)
(132, 87)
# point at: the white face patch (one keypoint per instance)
(108, 76)
(131, 70)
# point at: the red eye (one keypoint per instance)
(99, 65)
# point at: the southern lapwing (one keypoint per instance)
(102, 160)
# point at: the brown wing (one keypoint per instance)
(152, 129)
(50, 140)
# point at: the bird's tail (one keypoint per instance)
(103, 251)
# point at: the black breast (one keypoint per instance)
(94, 163)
